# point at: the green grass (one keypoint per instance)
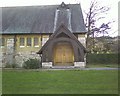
(0, 81)
(60, 82)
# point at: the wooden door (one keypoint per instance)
(63, 55)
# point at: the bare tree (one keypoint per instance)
(93, 15)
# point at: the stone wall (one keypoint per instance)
(82, 39)
(10, 50)
(7, 56)
(46, 64)
(12, 54)
(21, 57)
(18, 58)
(79, 64)
(1, 58)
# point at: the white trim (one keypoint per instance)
(69, 19)
(55, 20)
(36, 46)
(44, 40)
(29, 46)
(22, 46)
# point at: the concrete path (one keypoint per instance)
(104, 68)
(101, 68)
(43, 69)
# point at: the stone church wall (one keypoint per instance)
(18, 58)
(11, 53)
(82, 39)
(21, 57)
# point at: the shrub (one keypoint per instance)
(11, 65)
(8, 65)
(31, 64)
(14, 66)
(102, 58)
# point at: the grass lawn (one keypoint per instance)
(60, 82)
(0, 81)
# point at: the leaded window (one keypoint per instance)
(29, 42)
(36, 42)
(22, 42)
(2, 41)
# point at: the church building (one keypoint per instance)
(54, 34)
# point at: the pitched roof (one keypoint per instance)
(42, 19)
(59, 31)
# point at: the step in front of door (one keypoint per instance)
(62, 67)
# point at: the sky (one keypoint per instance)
(112, 14)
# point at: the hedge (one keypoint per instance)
(102, 58)
(31, 64)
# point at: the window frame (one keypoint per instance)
(20, 44)
(2, 45)
(36, 45)
(27, 42)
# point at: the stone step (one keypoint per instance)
(62, 67)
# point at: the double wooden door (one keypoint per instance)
(63, 55)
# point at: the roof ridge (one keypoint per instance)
(36, 5)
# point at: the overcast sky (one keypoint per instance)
(112, 15)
